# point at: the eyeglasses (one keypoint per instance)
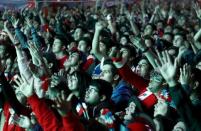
(92, 90)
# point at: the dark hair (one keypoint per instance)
(196, 75)
(143, 58)
(83, 82)
(82, 56)
(51, 58)
(62, 39)
(160, 21)
(107, 42)
(104, 87)
(131, 49)
(60, 87)
(168, 33)
(137, 103)
(109, 62)
(162, 44)
(148, 37)
(87, 41)
(152, 25)
(197, 57)
(183, 35)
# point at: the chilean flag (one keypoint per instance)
(79, 109)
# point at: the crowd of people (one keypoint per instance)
(123, 67)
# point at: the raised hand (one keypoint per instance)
(167, 68)
(34, 50)
(138, 42)
(35, 12)
(171, 12)
(129, 16)
(24, 122)
(58, 15)
(15, 22)
(156, 10)
(99, 26)
(63, 103)
(109, 17)
(24, 86)
(5, 14)
(185, 74)
(6, 25)
(197, 9)
(57, 78)
(28, 22)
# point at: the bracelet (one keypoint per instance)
(145, 50)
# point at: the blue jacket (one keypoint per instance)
(121, 95)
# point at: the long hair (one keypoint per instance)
(83, 82)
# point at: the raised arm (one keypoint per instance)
(111, 24)
(128, 75)
(43, 113)
(95, 42)
(147, 52)
(184, 107)
(8, 31)
(130, 17)
(156, 10)
(18, 32)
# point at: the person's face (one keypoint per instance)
(148, 30)
(175, 31)
(72, 45)
(107, 73)
(2, 51)
(148, 43)
(178, 41)
(167, 37)
(168, 29)
(122, 19)
(92, 95)
(180, 126)
(181, 21)
(129, 111)
(142, 68)
(160, 108)
(159, 25)
(72, 82)
(102, 47)
(73, 60)
(123, 41)
(82, 46)
(57, 46)
(77, 34)
(154, 84)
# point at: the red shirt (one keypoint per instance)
(61, 61)
(147, 98)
